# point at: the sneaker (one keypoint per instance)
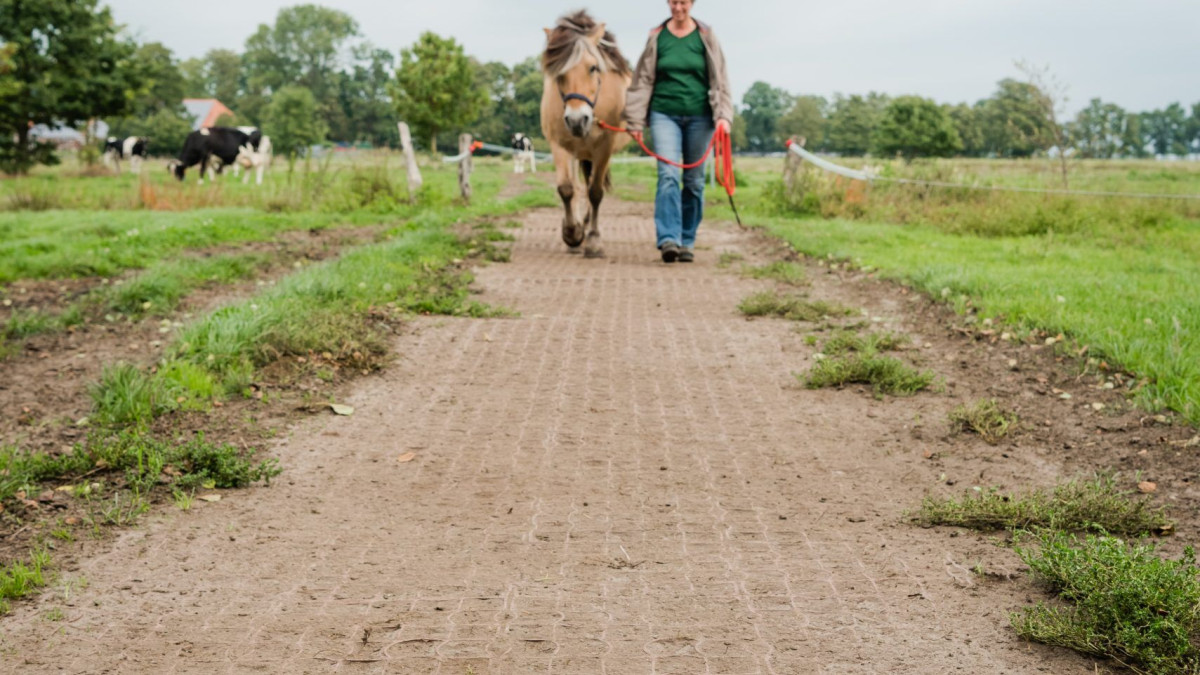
(670, 252)
(686, 255)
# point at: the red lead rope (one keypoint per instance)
(719, 145)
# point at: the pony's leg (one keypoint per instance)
(572, 230)
(596, 185)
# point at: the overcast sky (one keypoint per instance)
(1140, 55)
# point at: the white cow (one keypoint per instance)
(255, 155)
(523, 154)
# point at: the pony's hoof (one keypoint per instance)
(593, 253)
(574, 250)
(572, 237)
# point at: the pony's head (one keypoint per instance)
(579, 54)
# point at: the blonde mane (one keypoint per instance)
(568, 42)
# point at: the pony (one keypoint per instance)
(585, 82)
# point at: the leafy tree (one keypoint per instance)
(160, 84)
(762, 107)
(363, 97)
(1013, 120)
(1098, 128)
(1167, 130)
(807, 119)
(912, 126)
(166, 128)
(434, 89)
(1133, 140)
(852, 122)
(66, 64)
(969, 126)
(1194, 128)
(293, 120)
(304, 47)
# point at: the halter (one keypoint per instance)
(580, 97)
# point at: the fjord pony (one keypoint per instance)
(585, 82)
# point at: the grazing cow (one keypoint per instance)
(132, 148)
(256, 154)
(210, 148)
(523, 154)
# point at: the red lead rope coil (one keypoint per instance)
(720, 145)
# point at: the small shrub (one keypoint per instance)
(985, 418)
(885, 374)
(220, 466)
(1096, 505)
(19, 579)
(1126, 602)
(844, 342)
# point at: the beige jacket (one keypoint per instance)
(637, 98)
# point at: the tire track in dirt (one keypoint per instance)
(625, 479)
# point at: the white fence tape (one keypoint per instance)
(870, 177)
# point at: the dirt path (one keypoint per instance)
(626, 479)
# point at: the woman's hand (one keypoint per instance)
(636, 134)
(724, 124)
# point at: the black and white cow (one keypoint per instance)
(523, 154)
(132, 148)
(256, 154)
(211, 148)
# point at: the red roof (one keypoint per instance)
(206, 111)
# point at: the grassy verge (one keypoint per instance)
(1117, 276)
(1125, 601)
(1098, 504)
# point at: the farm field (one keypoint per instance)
(551, 463)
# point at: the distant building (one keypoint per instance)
(205, 111)
(66, 137)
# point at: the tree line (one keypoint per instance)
(1020, 119)
(310, 77)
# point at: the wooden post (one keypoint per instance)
(410, 158)
(792, 164)
(464, 167)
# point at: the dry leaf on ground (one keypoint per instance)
(407, 457)
(341, 409)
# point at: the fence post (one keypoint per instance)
(410, 159)
(792, 164)
(464, 167)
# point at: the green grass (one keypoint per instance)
(1115, 275)
(162, 286)
(845, 342)
(790, 273)
(1125, 602)
(984, 417)
(19, 579)
(141, 458)
(127, 396)
(885, 374)
(790, 306)
(1098, 504)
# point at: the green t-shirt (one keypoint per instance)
(681, 77)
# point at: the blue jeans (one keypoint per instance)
(678, 209)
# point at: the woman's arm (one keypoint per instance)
(637, 97)
(719, 94)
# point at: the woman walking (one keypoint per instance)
(681, 90)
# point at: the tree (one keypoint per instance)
(912, 126)
(1167, 130)
(1194, 128)
(762, 107)
(304, 47)
(807, 119)
(160, 83)
(1098, 128)
(1013, 122)
(67, 65)
(969, 127)
(1133, 140)
(434, 89)
(1050, 95)
(293, 120)
(166, 128)
(853, 121)
(362, 94)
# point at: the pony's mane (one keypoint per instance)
(568, 42)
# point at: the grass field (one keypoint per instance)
(1115, 275)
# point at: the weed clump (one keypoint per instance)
(126, 396)
(985, 418)
(792, 307)
(845, 342)
(1095, 505)
(885, 374)
(1127, 603)
(19, 579)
